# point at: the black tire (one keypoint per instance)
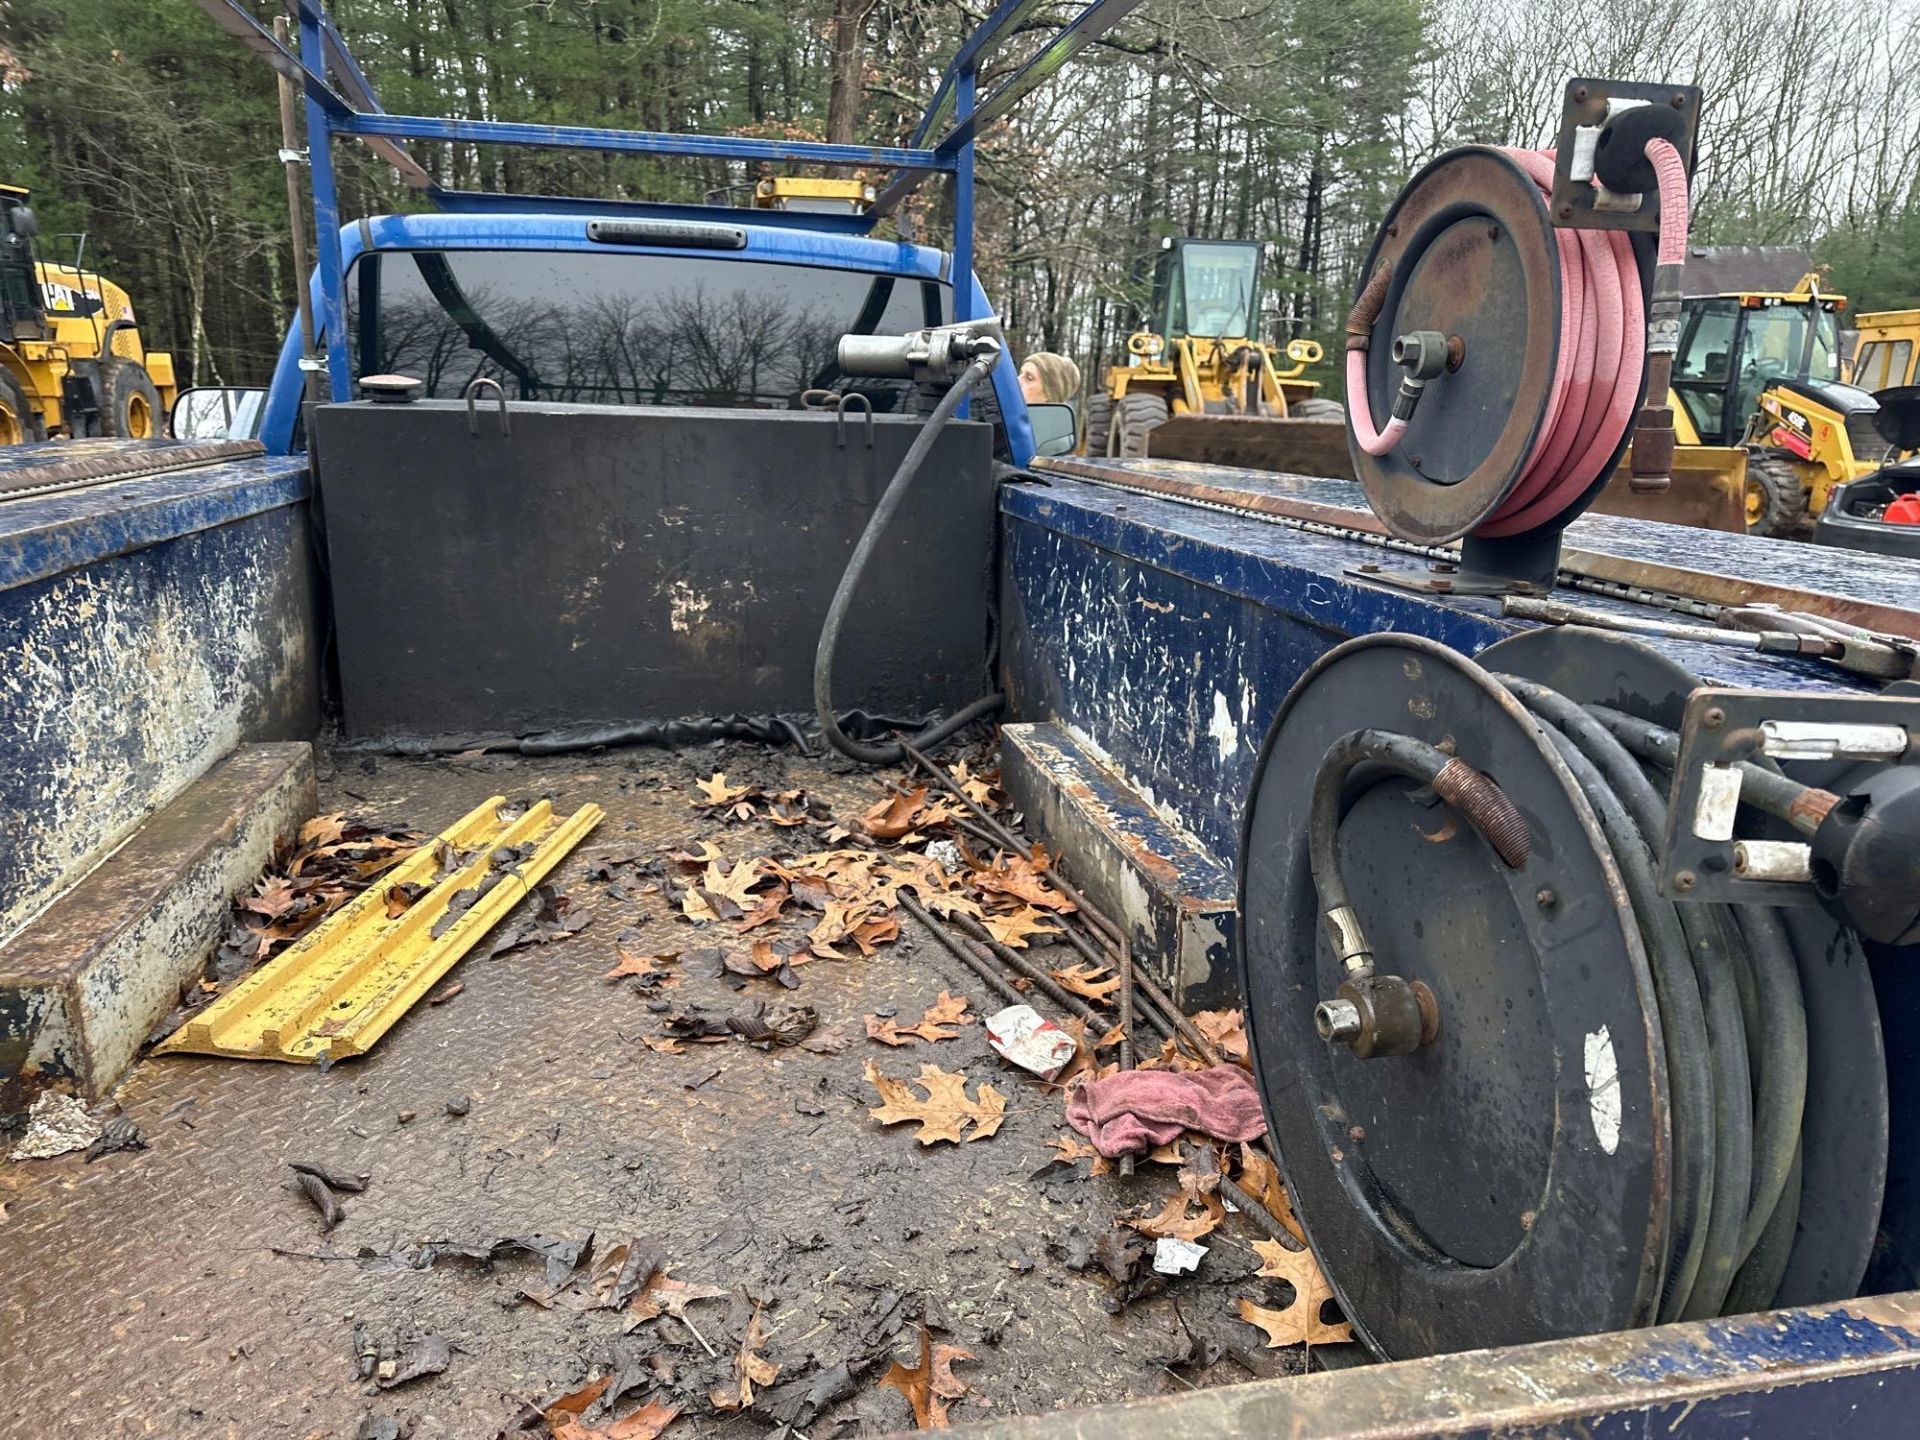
(1776, 501)
(1316, 407)
(1134, 417)
(129, 402)
(1099, 421)
(16, 414)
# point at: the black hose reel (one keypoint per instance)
(1523, 1084)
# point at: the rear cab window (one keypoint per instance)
(624, 328)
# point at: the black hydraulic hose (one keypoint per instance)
(1683, 1027)
(1759, 1279)
(1712, 962)
(1401, 753)
(890, 498)
(1780, 1095)
(1764, 789)
(1773, 1006)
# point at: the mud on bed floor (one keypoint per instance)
(724, 1231)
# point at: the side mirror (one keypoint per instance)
(23, 222)
(1055, 429)
(218, 412)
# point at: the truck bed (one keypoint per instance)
(213, 1304)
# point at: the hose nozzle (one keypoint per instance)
(934, 356)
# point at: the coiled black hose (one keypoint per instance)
(1729, 995)
(1726, 979)
(892, 753)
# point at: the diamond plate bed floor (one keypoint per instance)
(186, 1291)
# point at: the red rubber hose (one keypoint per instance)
(1602, 355)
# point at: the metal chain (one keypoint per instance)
(1612, 589)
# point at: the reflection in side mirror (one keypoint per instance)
(21, 221)
(1054, 429)
(219, 412)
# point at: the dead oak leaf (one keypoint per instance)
(893, 817)
(870, 935)
(662, 1044)
(1299, 1323)
(664, 1295)
(569, 1406)
(1014, 929)
(632, 963)
(273, 897)
(1226, 1031)
(1020, 877)
(1067, 1149)
(1260, 1178)
(750, 1368)
(766, 909)
(931, 1386)
(719, 791)
(646, 1423)
(1179, 1219)
(945, 1112)
(1086, 979)
(736, 884)
(323, 830)
(977, 788)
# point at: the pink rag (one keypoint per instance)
(1136, 1110)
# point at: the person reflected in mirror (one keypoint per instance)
(1049, 379)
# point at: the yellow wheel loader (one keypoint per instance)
(1761, 368)
(72, 361)
(1195, 356)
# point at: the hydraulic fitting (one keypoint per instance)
(1422, 354)
(1377, 1015)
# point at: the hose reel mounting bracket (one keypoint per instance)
(1602, 179)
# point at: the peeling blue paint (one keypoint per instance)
(1770, 1342)
(43, 535)
(147, 626)
(1168, 634)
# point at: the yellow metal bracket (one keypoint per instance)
(338, 989)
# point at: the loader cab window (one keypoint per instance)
(1215, 289)
(1774, 342)
(622, 327)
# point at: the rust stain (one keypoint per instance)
(1811, 807)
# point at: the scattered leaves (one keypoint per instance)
(945, 1112)
(940, 1022)
(930, 1386)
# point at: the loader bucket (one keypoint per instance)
(1709, 490)
(1294, 447)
